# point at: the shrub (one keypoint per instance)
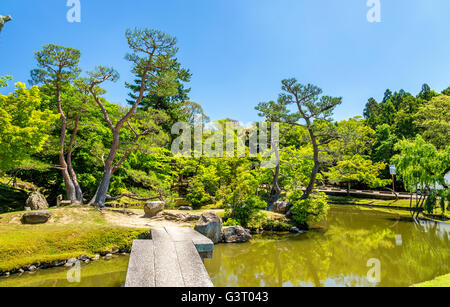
(197, 195)
(231, 222)
(312, 209)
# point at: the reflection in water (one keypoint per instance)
(336, 253)
(103, 273)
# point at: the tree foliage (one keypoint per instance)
(23, 126)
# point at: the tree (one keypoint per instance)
(354, 137)
(4, 80)
(313, 108)
(58, 66)
(4, 20)
(434, 120)
(423, 167)
(357, 169)
(23, 127)
(171, 105)
(153, 57)
(421, 164)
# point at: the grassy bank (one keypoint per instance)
(439, 282)
(394, 204)
(69, 234)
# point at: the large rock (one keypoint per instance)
(36, 217)
(153, 208)
(210, 225)
(280, 207)
(235, 234)
(36, 201)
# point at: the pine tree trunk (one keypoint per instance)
(315, 170)
(102, 190)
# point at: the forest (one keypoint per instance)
(59, 135)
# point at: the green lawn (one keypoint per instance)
(439, 282)
(71, 233)
(401, 203)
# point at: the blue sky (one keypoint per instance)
(240, 50)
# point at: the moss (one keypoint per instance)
(439, 282)
(21, 247)
(85, 233)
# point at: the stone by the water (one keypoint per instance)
(210, 225)
(235, 234)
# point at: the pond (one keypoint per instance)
(337, 252)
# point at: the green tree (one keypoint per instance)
(434, 120)
(4, 80)
(315, 110)
(421, 164)
(23, 127)
(357, 170)
(58, 67)
(354, 137)
(153, 58)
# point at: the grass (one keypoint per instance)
(69, 234)
(439, 282)
(401, 203)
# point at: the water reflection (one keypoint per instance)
(336, 254)
(103, 273)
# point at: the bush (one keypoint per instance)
(231, 222)
(312, 209)
(197, 195)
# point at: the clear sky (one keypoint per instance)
(239, 50)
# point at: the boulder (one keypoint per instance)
(36, 217)
(210, 225)
(179, 217)
(280, 207)
(185, 208)
(235, 234)
(36, 201)
(153, 208)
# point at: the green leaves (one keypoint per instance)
(307, 98)
(23, 127)
(434, 120)
(420, 164)
(357, 169)
(57, 64)
(4, 80)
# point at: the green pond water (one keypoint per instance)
(337, 252)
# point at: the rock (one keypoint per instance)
(280, 207)
(235, 234)
(36, 217)
(71, 262)
(36, 201)
(185, 208)
(27, 209)
(84, 257)
(7, 274)
(190, 218)
(115, 250)
(20, 271)
(179, 217)
(153, 208)
(96, 257)
(108, 256)
(210, 225)
(296, 230)
(32, 268)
